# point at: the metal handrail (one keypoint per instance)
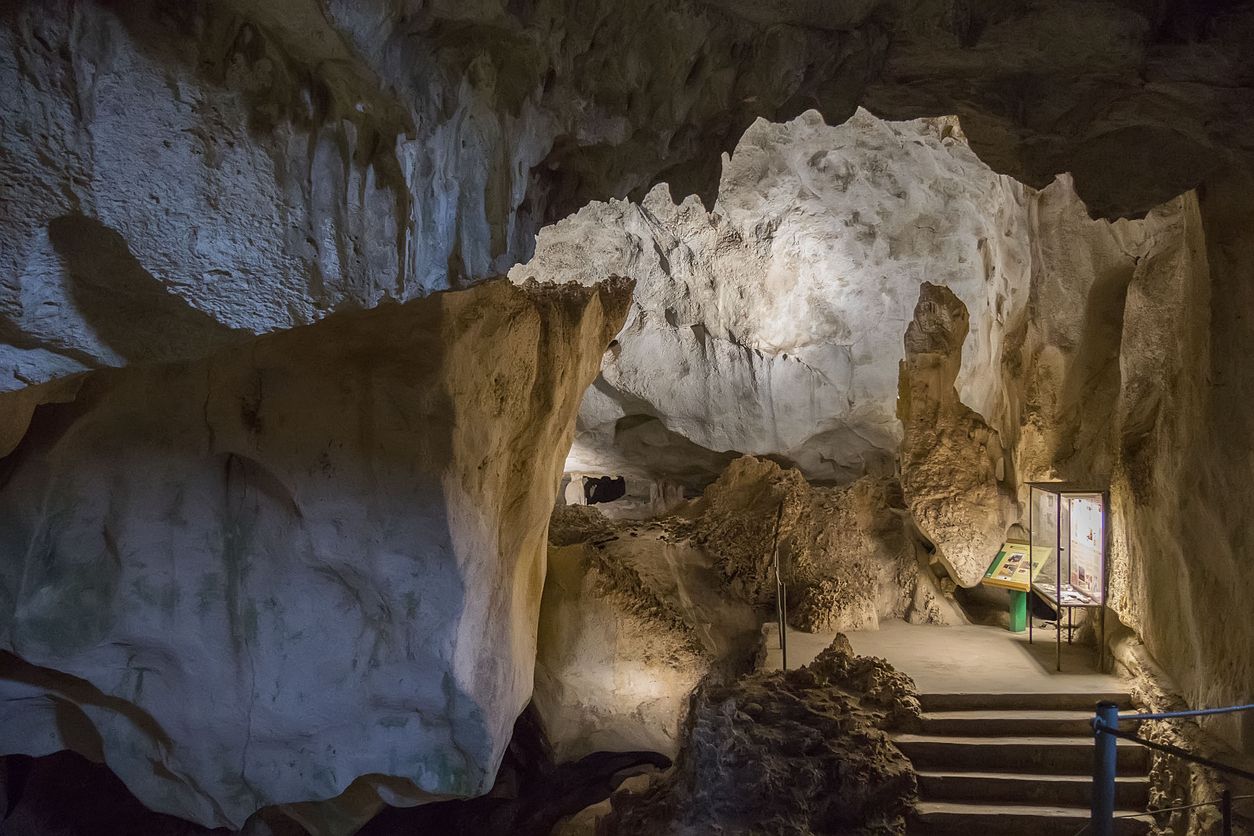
(1201, 712)
(1106, 733)
(1227, 799)
(1183, 754)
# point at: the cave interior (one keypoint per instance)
(625, 417)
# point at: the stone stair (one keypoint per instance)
(1015, 764)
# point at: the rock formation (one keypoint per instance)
(951, 460)
(632, 618)
(772, 326)
(799, 751)
(250, 481)
(636, 614)
(1127, 372)
(245, 167)
(850, 556)
(307, 561)
(866, 525)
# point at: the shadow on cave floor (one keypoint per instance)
(531, 794)
(967, 657)
(65, 794)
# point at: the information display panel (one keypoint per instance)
(1085, 546)
(1068, 530)
(1012, 568)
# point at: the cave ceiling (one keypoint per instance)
(1139, 100)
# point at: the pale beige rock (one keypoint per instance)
(1127, 370)
(632, 618)
(1062, 359)
(868, 563)
(309, 562)
(849, 556)
(772, 325)
(950, 458)
(1180, 484)
(613, 672)
(636, 614)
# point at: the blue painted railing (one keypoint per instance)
(1106, 734)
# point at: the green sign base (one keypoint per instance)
(1018, 611)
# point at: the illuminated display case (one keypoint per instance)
(1067, 533)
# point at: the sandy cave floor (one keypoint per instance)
(972, 657)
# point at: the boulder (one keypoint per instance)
(849, 556)
(799, 751)
(632, 619)
(307, 564)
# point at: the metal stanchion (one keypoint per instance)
(1105, 753)
(781, 594)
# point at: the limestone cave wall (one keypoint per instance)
(1131, 371)
(220, 355)
(303, 568)
(772, 325)
(246, 167)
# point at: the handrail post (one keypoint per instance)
(1105, 751)
(1225, 807)
(781, 593)
(783, 625)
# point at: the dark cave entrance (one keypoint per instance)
(604, 489)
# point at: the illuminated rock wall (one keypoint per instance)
(773, 324)
(308, 561)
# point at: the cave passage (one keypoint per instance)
(410, 411)
(604, 488)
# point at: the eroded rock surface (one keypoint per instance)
(1125, 370)
(799, 751)
(850, 556)
(178, 178)
(951, 460)
(633, 617)
(773, 324)
(636, 614)
(241, 167)
(308, 561)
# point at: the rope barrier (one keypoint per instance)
(1201, 712)
(1174, 750)
(1106, 733)
(1150, 813)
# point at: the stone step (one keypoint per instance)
(1131, 792)
(1026, 701)
(942, 819)
(1055, 755)
(1008, 723)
